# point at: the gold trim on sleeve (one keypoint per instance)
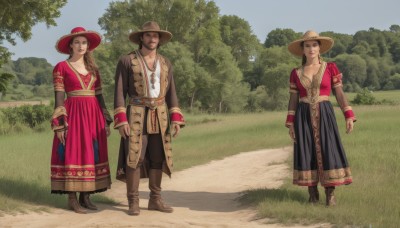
(347, 108)
(59, 111)
(175, 110)
(119, 110)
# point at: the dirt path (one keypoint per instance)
(202, 196)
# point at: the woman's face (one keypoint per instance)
(79, 45)
(311, 48)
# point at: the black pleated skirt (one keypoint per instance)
(318, 152)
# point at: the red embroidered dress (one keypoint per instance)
(82, 164)
(318, 152)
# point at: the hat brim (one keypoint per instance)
(93, 38)
(296, 49)
(165, 36)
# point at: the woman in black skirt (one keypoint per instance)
(318, 152)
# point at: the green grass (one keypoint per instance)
(25, 157)
(373, 199)
(372, 150)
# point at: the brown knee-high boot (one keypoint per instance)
(314, 194)
(74, 205)
(85, 202)
(330, 196)
(132, 190)
(155, 201)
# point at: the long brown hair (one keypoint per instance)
(88, 59)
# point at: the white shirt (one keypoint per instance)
(154, 93)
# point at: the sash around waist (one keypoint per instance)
(151, 103)
(81, 93)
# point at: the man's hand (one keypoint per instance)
(176, 128)
(124, 131)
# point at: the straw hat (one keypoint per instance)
(296, 49)
(93, 38)
(150, 26)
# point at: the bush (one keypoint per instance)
(365, 97)
(27, 114)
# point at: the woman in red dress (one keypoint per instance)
(79, 161)
(318, 152)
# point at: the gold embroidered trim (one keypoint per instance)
(291, 112)
(175, 110)
(79, 166)
(313, 98)
(58, 81)
(316, 99)
(333, 176)
(80, 186)
(80, 93)
(120, 124)
(79, 77)
(59, 111)
(119, 110)
(347, 108)
(151, 103)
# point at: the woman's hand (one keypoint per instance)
(62, 135)
(124, 131)
(291, 133)
(349, 126)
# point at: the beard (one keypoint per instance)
(148, 47)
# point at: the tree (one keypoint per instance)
(353, 67)
(5, 78)
(33, 71)
(237, 34)
(281, 37)
(394, 28)
(19, 16)
(342, 41)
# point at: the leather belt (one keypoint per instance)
(151, 103)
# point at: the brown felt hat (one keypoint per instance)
(326, 43)
(150, 26)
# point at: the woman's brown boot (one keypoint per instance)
(314, 194)
(74, 205)
(330, 196)
(85, 202)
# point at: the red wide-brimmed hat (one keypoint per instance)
(93, 38)
(150, 26)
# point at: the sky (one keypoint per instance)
(341, 16)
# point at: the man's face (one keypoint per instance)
(150, 40)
